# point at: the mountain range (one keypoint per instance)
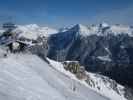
(105, 51)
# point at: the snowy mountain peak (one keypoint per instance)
(79, 25)
(102, 29)
(104, 24)
(121, 29)
(81, 29)
(33, 26)
(32, 31)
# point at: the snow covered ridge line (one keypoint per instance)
(98, 83)
(33, 31)
(102, 29)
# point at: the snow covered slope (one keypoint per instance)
(98, 83)
(27, 77)
(32, 31)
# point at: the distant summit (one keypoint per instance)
(33, 31)
(103, 29)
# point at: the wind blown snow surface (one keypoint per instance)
(27, 77)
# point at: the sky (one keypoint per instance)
(60, 13)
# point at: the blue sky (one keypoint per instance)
(58, 13)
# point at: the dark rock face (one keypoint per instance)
(109, 55)
(129, 93)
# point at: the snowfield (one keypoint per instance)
(27, 77)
